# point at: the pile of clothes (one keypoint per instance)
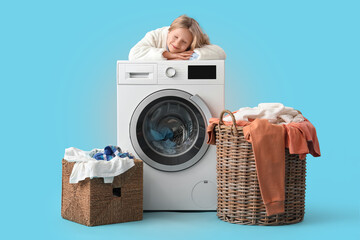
(270, 128)
(113, 162)
(275, 113)
(108, 153)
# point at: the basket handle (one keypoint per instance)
(234, 131)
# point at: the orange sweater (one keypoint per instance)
(269, 142)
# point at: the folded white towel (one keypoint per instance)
(86, 166)
(276, 113)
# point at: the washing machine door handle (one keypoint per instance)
(202, 106)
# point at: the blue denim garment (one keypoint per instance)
(110, 152)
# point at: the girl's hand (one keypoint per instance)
(178, 56)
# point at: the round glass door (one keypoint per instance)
(168, 130)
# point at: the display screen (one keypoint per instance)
(202, 72)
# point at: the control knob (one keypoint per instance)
(170, 72)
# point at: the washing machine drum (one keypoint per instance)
(168, 130)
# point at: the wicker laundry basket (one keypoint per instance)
(92, 202)
(239, 197)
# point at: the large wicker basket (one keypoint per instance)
(239, 197)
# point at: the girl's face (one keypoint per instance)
(179, 40)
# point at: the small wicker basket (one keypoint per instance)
(239, 197)
(92, 202)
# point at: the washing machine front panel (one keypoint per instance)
(193, 188)
(168, 129)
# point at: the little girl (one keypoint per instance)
(183, 40)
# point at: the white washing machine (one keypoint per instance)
(163, 109)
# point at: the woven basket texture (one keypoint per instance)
(92, 202)
(239, 196)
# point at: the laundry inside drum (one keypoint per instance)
(170, 128)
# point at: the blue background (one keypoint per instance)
(58, 67)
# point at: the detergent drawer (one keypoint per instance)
(136, 73)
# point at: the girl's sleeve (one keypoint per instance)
(210, 52)
(147, 48)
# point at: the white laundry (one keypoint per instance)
(276, 113)
(88, 167)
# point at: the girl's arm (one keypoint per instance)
(178, 56)
(150, 47)
(210, 52)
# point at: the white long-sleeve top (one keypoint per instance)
(152, 46)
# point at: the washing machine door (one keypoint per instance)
(168, 129)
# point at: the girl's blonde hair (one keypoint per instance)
(199, 37)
